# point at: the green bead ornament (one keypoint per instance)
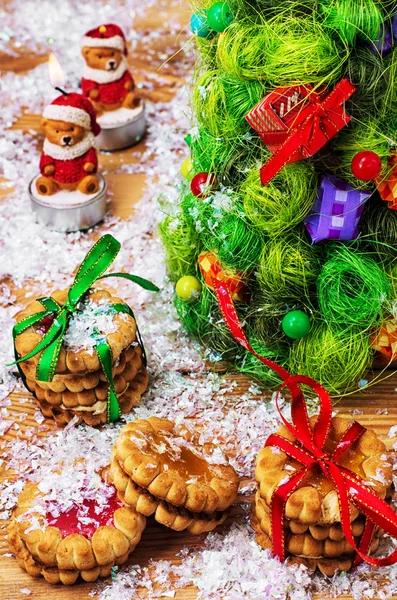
(188, 288)
(188, 139)
(187, 169)
(296, 324)
(220, 16)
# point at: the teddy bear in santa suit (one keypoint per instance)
(106, 80)
(69, 159)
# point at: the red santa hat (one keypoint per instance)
(73, 108)
(105, 36)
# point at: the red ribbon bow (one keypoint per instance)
(319, 120)
(308, 449)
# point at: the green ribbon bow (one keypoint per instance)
(98, 259)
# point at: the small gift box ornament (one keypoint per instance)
(211, 269)
(324, 483)
(296, 122)
(387, 37)
(79, 351)
(336, 212)
(384, 341)
(387, 186)
(109, 85)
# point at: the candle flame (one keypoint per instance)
(56, 75)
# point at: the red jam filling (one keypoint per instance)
(86, 517)
(45, 324)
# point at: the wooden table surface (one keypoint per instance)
(378, 404)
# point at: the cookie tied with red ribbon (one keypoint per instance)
(313, 534)
(323, 481)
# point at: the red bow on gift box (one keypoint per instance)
(308, 449)
(296, 122)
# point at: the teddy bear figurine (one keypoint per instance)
(69, 158)
(106, 80)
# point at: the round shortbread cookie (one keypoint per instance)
(87, 538)
(180, 519)
(145, 503)
(327, 566)
(307, 546)
(51, 574)
(77, 360)
(167, 460)
(315, 502)
(130, 398)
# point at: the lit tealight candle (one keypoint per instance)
(69, 194)
(109, 85)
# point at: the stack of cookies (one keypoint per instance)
(79, 387)
(313, 532)
(62, 539)
(160, 469)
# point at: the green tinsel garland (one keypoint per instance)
(182, 246)
(221, 103)
(203, 320)
(335, 357)
(228, 157)
(359, 136)
(288, 269)
(351, 288)
(283, 51)
(284, 202)
(352, 18)
(375, 79)
(379, 229)
(250, 365)
(237, 242)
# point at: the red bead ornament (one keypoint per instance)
(201, 184)
(366, 165)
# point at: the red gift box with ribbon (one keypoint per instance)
(308, 450)
(296, 122)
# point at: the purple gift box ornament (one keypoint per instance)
(336, 212)
(387, 37)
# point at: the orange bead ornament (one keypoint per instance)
(211, 268)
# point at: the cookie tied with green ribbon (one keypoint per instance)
(79, 351)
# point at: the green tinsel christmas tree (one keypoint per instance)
(290, 193)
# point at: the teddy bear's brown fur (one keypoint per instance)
(109, 59)
(55, 131)
(71, 174)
